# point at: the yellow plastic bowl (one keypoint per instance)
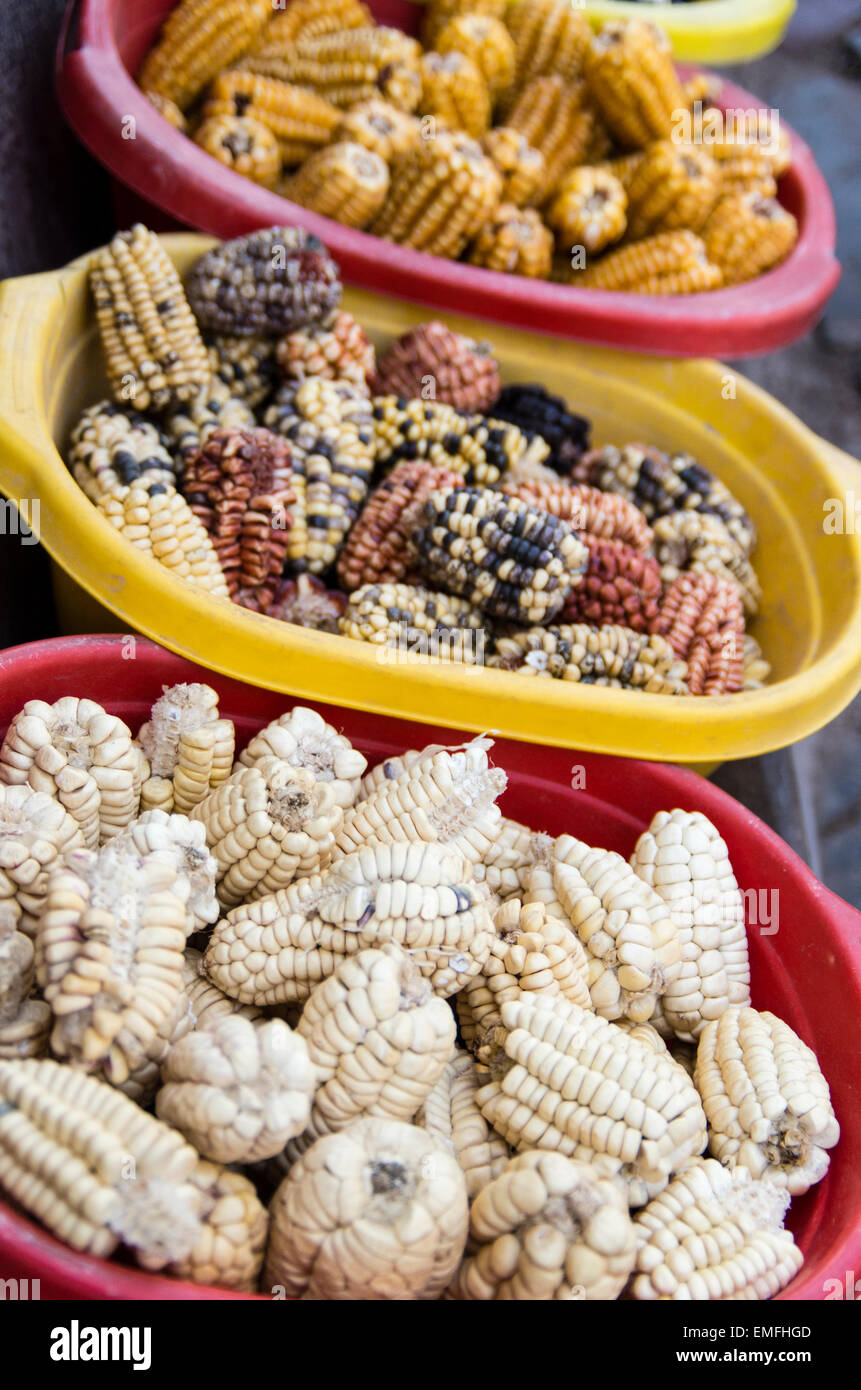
(810, 626)
(710, 31)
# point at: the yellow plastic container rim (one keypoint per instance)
(38, 312)
(707, 31)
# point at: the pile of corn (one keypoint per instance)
(292, 1025)
(511, 137)
(257, 446)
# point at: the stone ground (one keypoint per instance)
(56, 205)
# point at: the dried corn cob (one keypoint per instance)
(701, 542)
(229, 1252)
(344, 181)
(702, 619)
(623, 166)
(35, 832)
(159, 521)
(765, 1098)
(604, 515)
(329, 429)
(199, 38)
(308, 19)
(481, 449)
(380, 127)
(238, 1090)
(510, 559)
(421, 896)
(306, 602)
(17, 972)
(154, 353)
(351, 66)
(416, 620)
(242, 144)
(559, 121)
(621, 585)
(379, 547)
(756, 669)
(463, 373)
(550, 38)
(187, 745)
(265, 284)
(673, 186)
(662, 483)
(266, 825)
(536, 411)
(109, 955)
(450, 1114)
(302, 738)
(184, 842)
(340, 352)
(522, 167)
(169, 110)
(547, 1228)
(377, 1211)
(207, 1004)
(714, 1234)
(587, 209)
(631, 77)
(455, 91)
(188, 427)
(668, 263)
(440, 195)
(144, 1078)
(612, 656)
(571, 1082)
(26, 1034)
(747, 235)
(487, 42)
(506, 863)
(245, 366)
(75, 752)
(437, 13)
(111, 449)
(515, 241)
(744, 168)
(301, 121)
(632, 942)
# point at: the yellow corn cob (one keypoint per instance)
(514, 240)
(344, 181)
(154, 353)
(588, 209)
(159, 521)
(633, 82)
(670, 263)
(744, 169)
(300, 120)
(308, 19)
(200, 38)
(703, 87)
(550, 36)
(623, 166)
(454, 90)
(672, 186)
(747, 235)
(438, 13)
(242, 144)
(380, 127)
(351, 66)
(440, 196)
(488, 43)
(557, 119)
(168, 109)
(522, 168)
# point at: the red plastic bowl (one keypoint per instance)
(808, 972)
(103, 41)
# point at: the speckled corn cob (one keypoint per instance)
(510, 559)
(701, 617)
(168, 110)
(302, 738)
(338, 352)
(418, 895)
(246, 366)
(329, 430)
(481, 449)
(547, 1228)
(714, 1234)
(440, 196)
(159, 521)
(461, 372)
(454, 90)
(200, 37)
(621, 585)
(24, 1022)
(537, 412)
(111, 448)
(379, 548)
(437, 14)
(487, 42)
(188, 427)
(515, 241)
(673, 186)
(380, 127)
(631, 77)
(75, 752)
(604, 515)
(416, 619)
(452, 1116)
(521, 166)
(747, 235)
(558, 120)
(242, 144)
(188, 747)
(300, 120)
(587, 209)
(154, 353)
(265, 284)
(766, 1100)
(612, 656)
(550, 37)
(701, 542)
(660, 483)
(351, 66)
(668, 263)
(229, 1252)
(344, 181)
(307, 19)
(306, 602)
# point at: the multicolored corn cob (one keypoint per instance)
(301, 121)
(245, 365)
(621, 585)
(434, 362)
(701, 542)
(610, 656)
(515, 241)
(631, 77)
(440, 196)
(306, 602)
(338, 352)
(536, 411)
(481, 449)
(605, 516)
(702, 619)
(416, 620)
(380, 548)
(264, 284)
(199, 39)
(188, 427)
(344, 181)
(454, 91)
(112, 448)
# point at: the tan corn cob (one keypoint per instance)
(77, 753)
(668, 263)
(380, 127)
(521, 166)
(437, 14)
(488, 43)
(613, 656)
(510, 856)
(632, 943)
(350, 66)
(377, 1211)
(703, 543)
(420, 896)
(756, 669)
(199, 38)
(229, 1252)
(306, 19)
(188, 427)
(558, 120)
(714, 1234)
(630, 74)
(169, 110)
(766, 1101)
(673, 186)
(302, 738)
(440, 196)
(747, 235)
(454, 90)
(426, 429)
(184, 842)
(516, 241)
(244, 365)
(588, 209)
(144, 1077)
(24, 1023)
(344, 181)
(154, 353)
(35, 832)
(187, 745)
(415, 619)
(550, 37)
(452, 1116)
(547, 1228)
(207, 1004)
(159, 521)
(300, 120)
(93, 1167)
(265, 825)
(242, 144)
(109, 955)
